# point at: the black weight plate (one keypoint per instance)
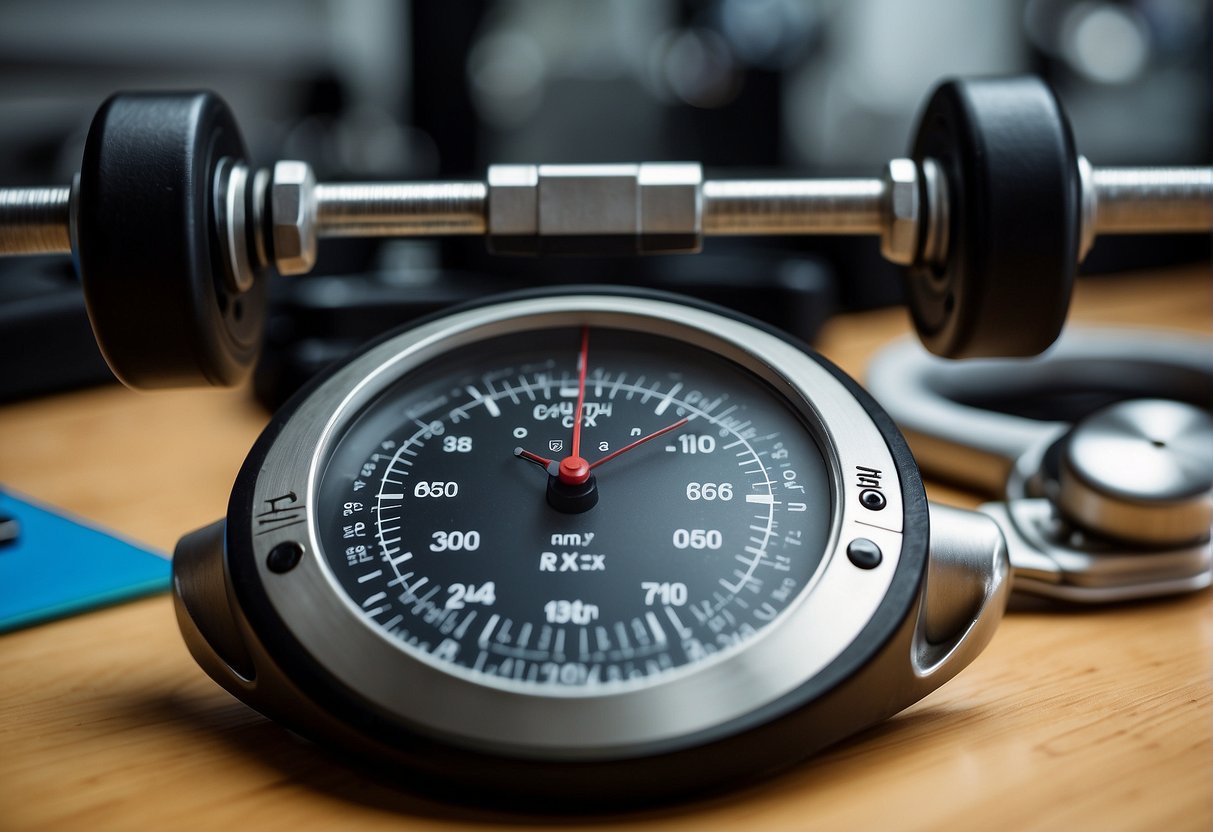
(1008, 157)
(149, 254)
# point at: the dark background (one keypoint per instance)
(376, 89)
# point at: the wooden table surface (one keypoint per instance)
(1070, 719)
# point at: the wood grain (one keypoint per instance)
(1069, 720)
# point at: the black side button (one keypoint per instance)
(872, 499)
(284, 557)
(864, 553)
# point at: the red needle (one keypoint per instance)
(640, 441)
(573, 469)
(582, 364)
(542, 460)
(536, 458)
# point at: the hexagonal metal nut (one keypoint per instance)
(899, 237)
(293, 217)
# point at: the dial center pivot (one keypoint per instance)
(573, 470)
(573, 497)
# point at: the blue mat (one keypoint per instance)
(57, 566)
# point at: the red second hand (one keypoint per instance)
(573, 469)
(640, 441)
(583, 364)
(522, 453)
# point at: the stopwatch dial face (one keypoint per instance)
(446, 517)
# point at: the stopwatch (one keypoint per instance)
(589, 548)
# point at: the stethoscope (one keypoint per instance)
(1101, 450)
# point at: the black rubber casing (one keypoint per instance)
(150, 256)
(850, 694)
(1007, 155)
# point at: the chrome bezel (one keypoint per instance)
(610, 721)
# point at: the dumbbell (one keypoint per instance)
(174, 233)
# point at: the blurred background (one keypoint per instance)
(380, 89)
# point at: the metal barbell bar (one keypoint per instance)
(174, 231)
(1118, 200)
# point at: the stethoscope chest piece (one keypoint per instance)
(1102, 449)
(1140, 471)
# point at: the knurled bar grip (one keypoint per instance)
(1152, 200)
(401, 209)
(35, 221)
